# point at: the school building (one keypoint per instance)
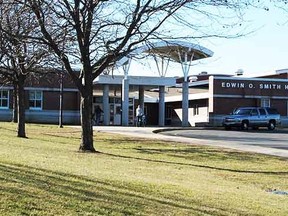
(202, 99)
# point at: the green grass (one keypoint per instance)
(46, 175)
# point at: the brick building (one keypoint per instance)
(211, 97)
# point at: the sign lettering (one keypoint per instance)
(242, 85)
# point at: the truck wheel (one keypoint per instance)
(227, 128)
(244, 125)
(271, 125)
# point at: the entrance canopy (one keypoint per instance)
(178, 51)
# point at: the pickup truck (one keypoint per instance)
(245, 117)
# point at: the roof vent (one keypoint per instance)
(239, 72)
(203, 73)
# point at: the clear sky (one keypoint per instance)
(259, 53)
(262, 52)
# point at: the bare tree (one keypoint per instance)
(98, 32)
(283, 5)
(18, 56)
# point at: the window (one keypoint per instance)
(254, 112)
(4, 99)
(262, 111)
(35, 100)
(242, 112)
(265, 102)
(196, 110)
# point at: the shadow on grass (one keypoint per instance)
(41, 191)
(52, 138)
(132, 140)
(200, 166)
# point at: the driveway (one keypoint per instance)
(260, 141)
(271, 142)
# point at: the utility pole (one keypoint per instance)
(61, 100)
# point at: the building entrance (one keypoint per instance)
(115, 109)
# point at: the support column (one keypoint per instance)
(125, 102)
(141, 97)
(161, 119)
(125, 95)
(185, 104)
(106, 108)
(185, 86)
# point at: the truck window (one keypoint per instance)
(272, 111)
(262, 112)
(242, 112)
(254, 112)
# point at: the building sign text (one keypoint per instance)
(242, 85)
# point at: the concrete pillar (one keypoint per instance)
(106, 107)
(185, 104)
(161, 118)
(141, 97)
(125, 102)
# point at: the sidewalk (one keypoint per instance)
(155, 133)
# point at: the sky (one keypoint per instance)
(259, 53)
(262, 52)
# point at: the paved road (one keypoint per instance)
(261, 141)
(273, 139)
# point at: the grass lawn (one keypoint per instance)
(46, 175)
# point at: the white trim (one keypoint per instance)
(211, 95)
(49, 89)
(249, 96)
(40, 89)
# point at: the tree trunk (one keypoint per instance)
(86, 117)
(15, 103)
(21, 107)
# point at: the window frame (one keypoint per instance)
(35, 99)
(2, 98)
(265, 102)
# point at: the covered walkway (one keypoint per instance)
(163, 52)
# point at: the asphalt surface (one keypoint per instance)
(260, 141)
